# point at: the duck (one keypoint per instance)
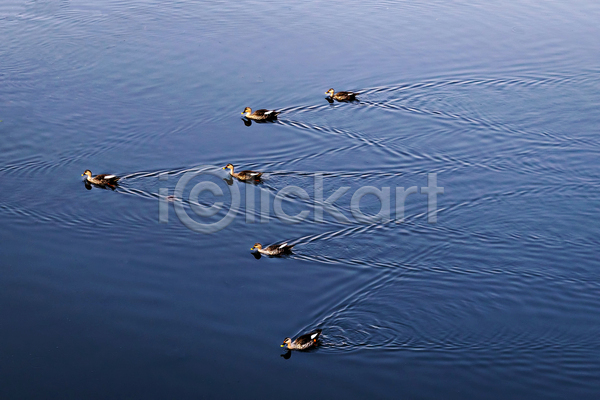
(244, 175)
(260, 115)
(274, 249)
(342, 96)
(303, 342)
(103, 179)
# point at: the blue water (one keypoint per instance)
(108, 294)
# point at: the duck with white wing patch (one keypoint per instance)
(274, 249)
(303, 342)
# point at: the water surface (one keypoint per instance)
(498, 299)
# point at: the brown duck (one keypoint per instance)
(342, 96)
(274, 249)
(260, 115)
(244, 175)
(302, 342)
(104, 179)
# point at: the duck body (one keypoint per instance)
(260, 115)
(246, 175)
(103, 179)
(274, 249)
(303, 342)
(342, 96)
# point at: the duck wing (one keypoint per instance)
(263, 113)
(277, 249)
(249, 174)
(284, 248)
(107, 177)
(273, 249)
(347, 95)
(309, 338)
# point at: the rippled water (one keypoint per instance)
(498, 299)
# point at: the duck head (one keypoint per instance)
(247, 111)
(87, 172)
(257, 246)
(230, 166)
(330, 92)
(287, 341)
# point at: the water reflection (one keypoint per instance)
(89, 185)
(256, 182)
(248, 122)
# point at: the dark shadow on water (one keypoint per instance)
(248, 122)
(229, 181)
(89, 186)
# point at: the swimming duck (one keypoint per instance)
(244, 175)
(342, 96)
(104, 179)
(303, 342)
(274, 249)
(260, 115)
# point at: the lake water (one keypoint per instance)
(109, 294)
